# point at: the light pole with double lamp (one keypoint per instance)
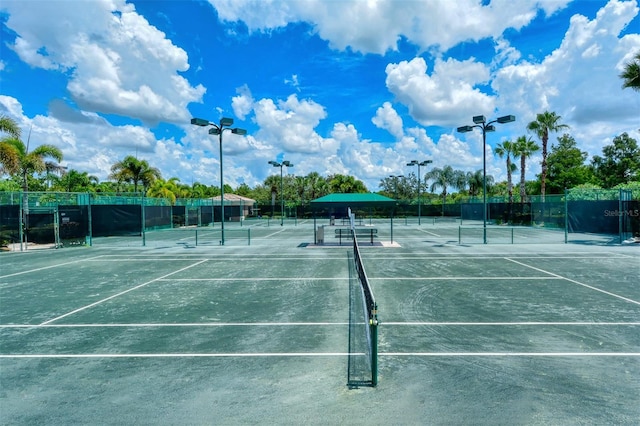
(482, 124)
(218, 129)
(281, 165)
(419, 164)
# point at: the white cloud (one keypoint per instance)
(446, 96)
(117, 62)
(290, 125)
(579, 80)
(243, 103)
(387, 118)
(377, 26)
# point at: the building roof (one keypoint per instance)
(368, 199)
(234, 199)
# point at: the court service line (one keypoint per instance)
(518, 323)
(330, 354)
(430, 233)
(184, 355)
(512, 354)
(461, 278)
(322, 324)
(257, 279)
(186, 324)
(121, 293)
(48, 267)
(626, 299)
(272, 234)
(220, 258)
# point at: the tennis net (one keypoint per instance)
(363, 324)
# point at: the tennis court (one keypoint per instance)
(256, 331)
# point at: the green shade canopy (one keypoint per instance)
(368, 199)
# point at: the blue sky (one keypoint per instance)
(352, 86)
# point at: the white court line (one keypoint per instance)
(330, 354)
(463, 278)
(216, 259)
(430, 233)
(506, 324)
(626, 299)
(372, 256)
(273, 233)
(512, 354)
(120, 294)
(257, 279)
(325, 324)
(186, 324)
(48, 267)
(185, 355)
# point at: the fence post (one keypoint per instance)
(566, 216)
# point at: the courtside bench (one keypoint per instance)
(368, 233)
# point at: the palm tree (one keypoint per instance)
(17, 160)
(161, 188)
(443, 178)
(525, 147)
(631, 74)
(135, 171)
(75, 181)
(474, 180)
(9, 158)
(507, 149)
(545, 123)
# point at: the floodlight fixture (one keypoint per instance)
(464, 129)
(490, 128)
(225, 122)
(506, 119)
(237, 131)
(479, 119)
(200, 122)
(214, 131)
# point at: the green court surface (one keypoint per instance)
(256, 331)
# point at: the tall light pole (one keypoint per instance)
(218, 129)
(419, 164)
(482, 124)
(281, 165)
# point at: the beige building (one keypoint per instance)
(236, 207)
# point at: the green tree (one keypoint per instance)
(474, 181)
(166, 189)
(620, 162)
(566, 166)
(75, 181)
(345, 184)
(524, 147)
(631, 74)
(507, 149)
(316, 186)
(543, 124)
(28, 163)
(9, 156)
(443, 178)
(134, 171)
